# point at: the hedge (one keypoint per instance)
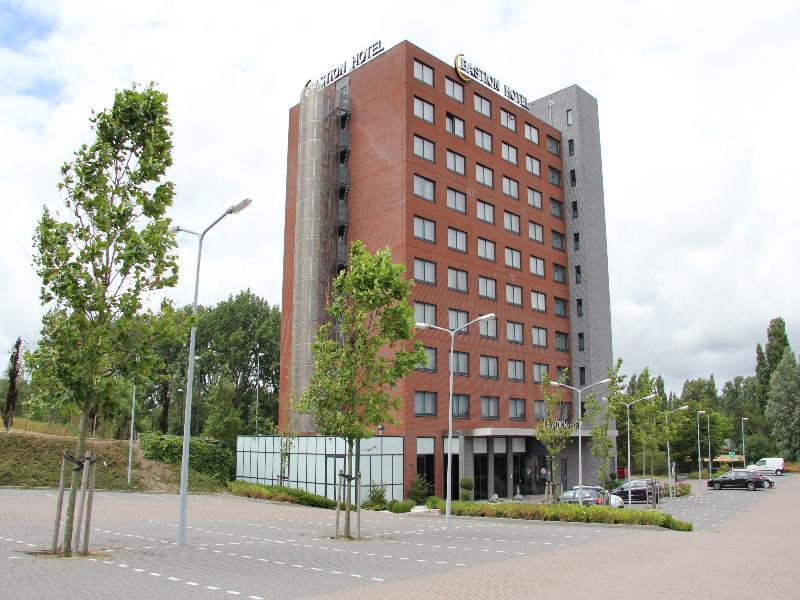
(566, 513)
(205, 454)
(278, 493)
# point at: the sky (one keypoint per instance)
(699, 140)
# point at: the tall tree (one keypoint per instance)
(361, 353)
(783, 406)
(762, 377)
(224, 422)
(777, 343)
(96, 260)
(12, 393)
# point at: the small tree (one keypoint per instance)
(599, 415)
(223, 422)
(12, 394)
(420, 489)
(355, 368)
(552, 431)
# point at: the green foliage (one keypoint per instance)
(569, 513)
(550, 431)
(783, 416)
(466, 483)
(279, 494)
(400, 506)
(465, 495)
(434, 502)
(12, 393)
(682, 489)
(205, 455)
(376, 500)
(420, 489)
(224, 422)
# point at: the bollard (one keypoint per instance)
(89, 502)
(59, 504)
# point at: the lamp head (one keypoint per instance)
(421, 326)
(174, 229)
(604, 381)
(745, 418)
(236, 208)
(486, 317)
(684, 407)
(701, 412)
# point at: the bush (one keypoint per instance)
(722, 470)
(433, 502)
(278, 493)
(466, 484)
(377, 497)
(465, 495)
(682, 489)
(205, 455)
(420, 489)
(401, 506)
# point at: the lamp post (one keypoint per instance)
(710, 458)
(580, 427)
(744, 459)
(187, 417)
(452, 334)
(699, 456)
(258, 383)
(628, 409)
(669, 461)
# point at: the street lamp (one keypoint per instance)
(187, 417)
(452, 334)
(628, 409)
(710, 458)
(669, 462)
(699, 456)
(580, 426)
(744, 459)
(258, 383)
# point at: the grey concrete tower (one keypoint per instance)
(574, 112)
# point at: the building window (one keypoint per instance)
(487, 287)
(460, 363)
(537, 266)
(483, 106)
(456, 200)
(535, 198)
(424, 148)
(488, 328)
(485, 212)
(514, 332)
(429, 364)
(513, 294)
(569, 116)
(484, 175)
(483, 139)
(516, 409)
(577, 273)
(574, 209)
(486, 249)
(581, 342)
(456, 319)
(424, 271)
(573, 180)
(539, 371)
(538, 410)
(561, 341)
(560, 307)
(538, 301)
(556, 208)
(553, 146)
(424, 188)
(489, 367)
(516, 370)
(532, 165)
(559, 273)
(423, 109)
(509, 153)
(508, 120)
(513, 258)
(454, 125)
(425, 404)
(454, 89)
(425, 229)
(558, 240)
(576, 241)
(425, 313)
(539, 335)
(531, 133)
(456, 239)
(460, 405)
(535, 232)
(490, 407)
(511, 222)
(455, 162)
(555, 176)
(423, 72)
(571, 147)
(457, 280)
(510, 187)
(579, 307)
(582, 375)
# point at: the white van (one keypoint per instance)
(769, 465)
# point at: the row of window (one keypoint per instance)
(457, 279)
(489, 364)
(426, 404)
(487, 288)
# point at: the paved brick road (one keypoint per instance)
(248, 549)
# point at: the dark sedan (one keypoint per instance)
(738, 478)
(641, 490)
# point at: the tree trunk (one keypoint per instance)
(348, 493)
(73, 488)
(163, 420)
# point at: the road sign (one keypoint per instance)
(731, 455)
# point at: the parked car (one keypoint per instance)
(641, 490)
(769, 480)
(588, 496)
(769, 465)
(738, 478)
(614, 501)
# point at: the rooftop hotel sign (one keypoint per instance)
(359, 58)
(468, 71)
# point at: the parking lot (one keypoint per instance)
(238, 547)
